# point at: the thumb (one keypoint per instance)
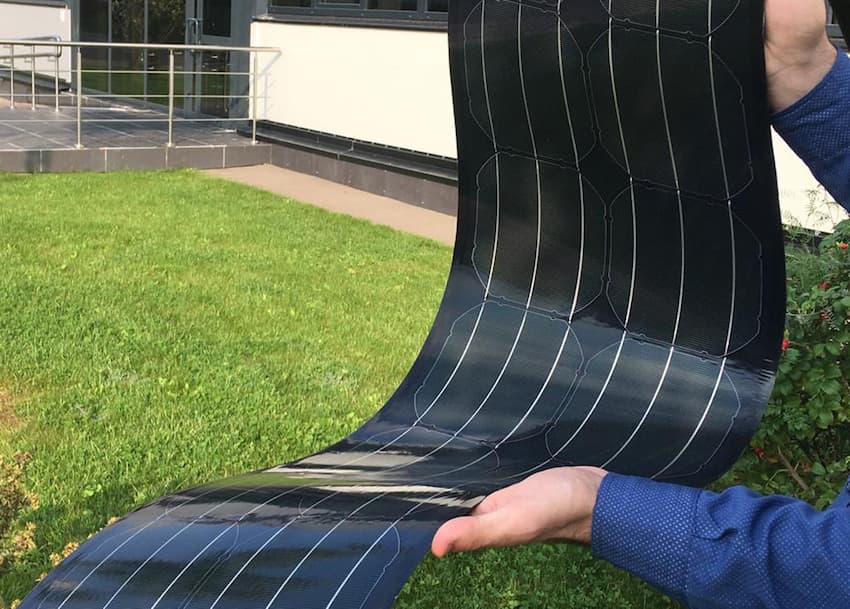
(471, 533)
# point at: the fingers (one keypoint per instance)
(494, 501)
(469, 532)
(446, 537)
(487, 530)
(556, 504)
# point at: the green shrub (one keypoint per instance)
(803, 445)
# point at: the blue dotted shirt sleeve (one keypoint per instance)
(817, 128)
(736, 549)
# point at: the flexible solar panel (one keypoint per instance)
(616, 298)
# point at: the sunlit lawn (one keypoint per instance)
(159, 330)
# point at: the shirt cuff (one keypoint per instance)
(814, 100)
(646, 528)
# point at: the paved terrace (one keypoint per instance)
(118, 137)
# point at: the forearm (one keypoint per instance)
(722, 551)
(792, 73)
(817, 128)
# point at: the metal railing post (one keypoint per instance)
(32, 80)
(12, 77)
(255, 86)
(170, 98)
(56, 80)
(79, 97)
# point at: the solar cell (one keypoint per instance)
(616, 298)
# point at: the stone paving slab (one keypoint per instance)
(107, 127)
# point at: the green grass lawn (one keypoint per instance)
(159, 330)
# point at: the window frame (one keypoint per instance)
(357, 12)
(50, 3)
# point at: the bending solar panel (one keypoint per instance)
(616, 298)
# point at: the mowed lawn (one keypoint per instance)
(160, 330)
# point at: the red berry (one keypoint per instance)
(759, 452)
(785, 343)
(842, 245)
(824, 316)
(824, 285)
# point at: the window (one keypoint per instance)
(94, 20)
(132, 72)
(217, 17)
(419, 11)
(840, 35)
(438, 6)
(392, 5)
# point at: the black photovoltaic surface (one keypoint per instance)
(616, 298)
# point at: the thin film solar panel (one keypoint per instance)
(616, 298)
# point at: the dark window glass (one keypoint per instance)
(167, 21)
(94, 20)
(128, 21)
(217, 17)
(212, 85)
(431, 10)
(299, 3)
(94, 26)
(127, 65)
(392, 5)
(132, 72)
(95, 62)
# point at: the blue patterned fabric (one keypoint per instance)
(817, 128)
(738, 549)
(732, 550)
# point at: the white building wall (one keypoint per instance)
(803, 200)
(376, 84)
(392, 87)
(28, 20)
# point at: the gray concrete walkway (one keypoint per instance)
(344, 199)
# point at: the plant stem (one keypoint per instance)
(791, 470)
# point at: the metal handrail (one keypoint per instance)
(33, 42)
(56, 54)
(173, 49)
(141, 45)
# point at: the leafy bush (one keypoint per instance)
(803, 445)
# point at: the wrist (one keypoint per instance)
(646, 528)
(794, 75)
(586, 492)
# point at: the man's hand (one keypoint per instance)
(553, 505)
(798, 53)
